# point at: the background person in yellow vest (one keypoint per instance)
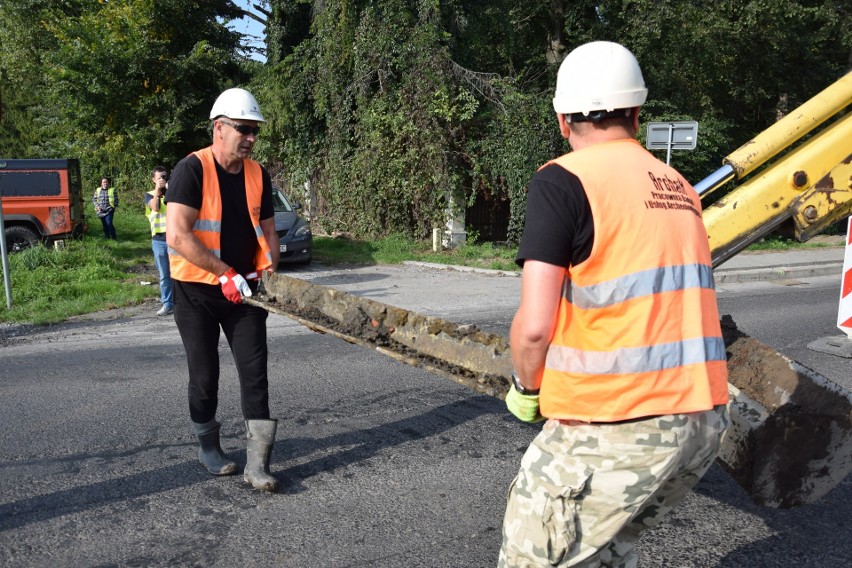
(221, 233)
(155, 210)
(105, 201)
(616, 341)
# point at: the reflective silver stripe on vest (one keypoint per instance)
(636, 359)
(639, 284)
(158, 221)
(216, 252)
(259, 232)
(207, 225)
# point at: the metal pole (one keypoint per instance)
(7, 277)
(715, 180)
(669, 147)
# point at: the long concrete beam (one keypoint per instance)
(789, 443)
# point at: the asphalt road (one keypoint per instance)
(381, 464)
(788, 315)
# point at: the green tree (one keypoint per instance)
(123, 84)
(735, 66)
(382, 106)
(372, 88)
(395, 109)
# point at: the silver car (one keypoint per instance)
(295, 241)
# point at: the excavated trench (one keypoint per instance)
(789, 442)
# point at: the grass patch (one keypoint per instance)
(779, 243)
(396, 249)
(94, 273)
(88, 275)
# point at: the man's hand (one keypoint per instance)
(234, 286)
(523, 406)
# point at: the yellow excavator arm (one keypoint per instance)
(810, 185)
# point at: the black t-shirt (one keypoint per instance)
(558, 227)
(238, 242)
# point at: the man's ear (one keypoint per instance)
(636, 120)
(564, 126)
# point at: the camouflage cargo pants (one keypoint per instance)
(585, 492)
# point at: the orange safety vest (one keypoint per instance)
(208, 226)
(637, 331)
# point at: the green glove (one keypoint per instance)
(523, 406)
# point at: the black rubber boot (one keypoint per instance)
(261, 437)
(210, 453)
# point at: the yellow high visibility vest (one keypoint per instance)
(156, 218)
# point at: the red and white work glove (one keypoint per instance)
(234, 286)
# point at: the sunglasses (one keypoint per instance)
(243, 129)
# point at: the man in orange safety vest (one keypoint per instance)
(616, 342)
(220, 231)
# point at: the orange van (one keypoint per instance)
(42, 201)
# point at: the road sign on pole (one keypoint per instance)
(674, 135)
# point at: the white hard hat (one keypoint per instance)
(238, 104)
(599, 76)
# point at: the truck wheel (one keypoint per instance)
(19, 238)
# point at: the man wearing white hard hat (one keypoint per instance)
(616, 342)
(221, 235)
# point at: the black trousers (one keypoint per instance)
(200, 312)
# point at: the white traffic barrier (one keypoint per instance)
(844, 312)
